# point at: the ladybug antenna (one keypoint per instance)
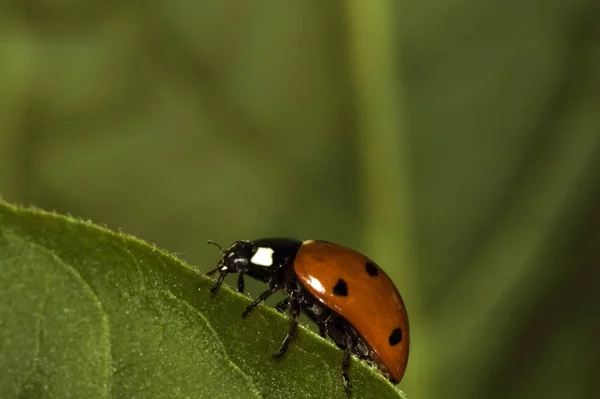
(211, 242)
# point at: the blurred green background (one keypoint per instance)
(455, 142)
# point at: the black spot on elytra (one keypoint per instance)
(372, 269)
(396, 337)
(340, 288)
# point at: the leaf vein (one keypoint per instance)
(93, 295)
(218, 339)
(137, 265)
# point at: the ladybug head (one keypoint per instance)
(235, 259)
(262, 260)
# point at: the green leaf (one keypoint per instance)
(86, 312)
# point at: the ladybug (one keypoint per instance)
(346, 294)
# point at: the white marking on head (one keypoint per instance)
(263, 257)
(231, 254)
(224, 268)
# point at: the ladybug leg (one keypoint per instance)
(294, 313)
(283, 305)
(212, 271)
(240, 283)
(261, 298)
(219, 280)
(324, 327)
(319, 320)
(346, 361)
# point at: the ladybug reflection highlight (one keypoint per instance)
(347, 295)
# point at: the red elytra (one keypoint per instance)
(373, 305)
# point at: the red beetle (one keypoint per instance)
(346, 294)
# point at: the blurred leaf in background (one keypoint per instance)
(457, 143)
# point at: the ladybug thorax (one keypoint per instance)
(260, 259)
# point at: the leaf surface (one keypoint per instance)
(88, 312)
